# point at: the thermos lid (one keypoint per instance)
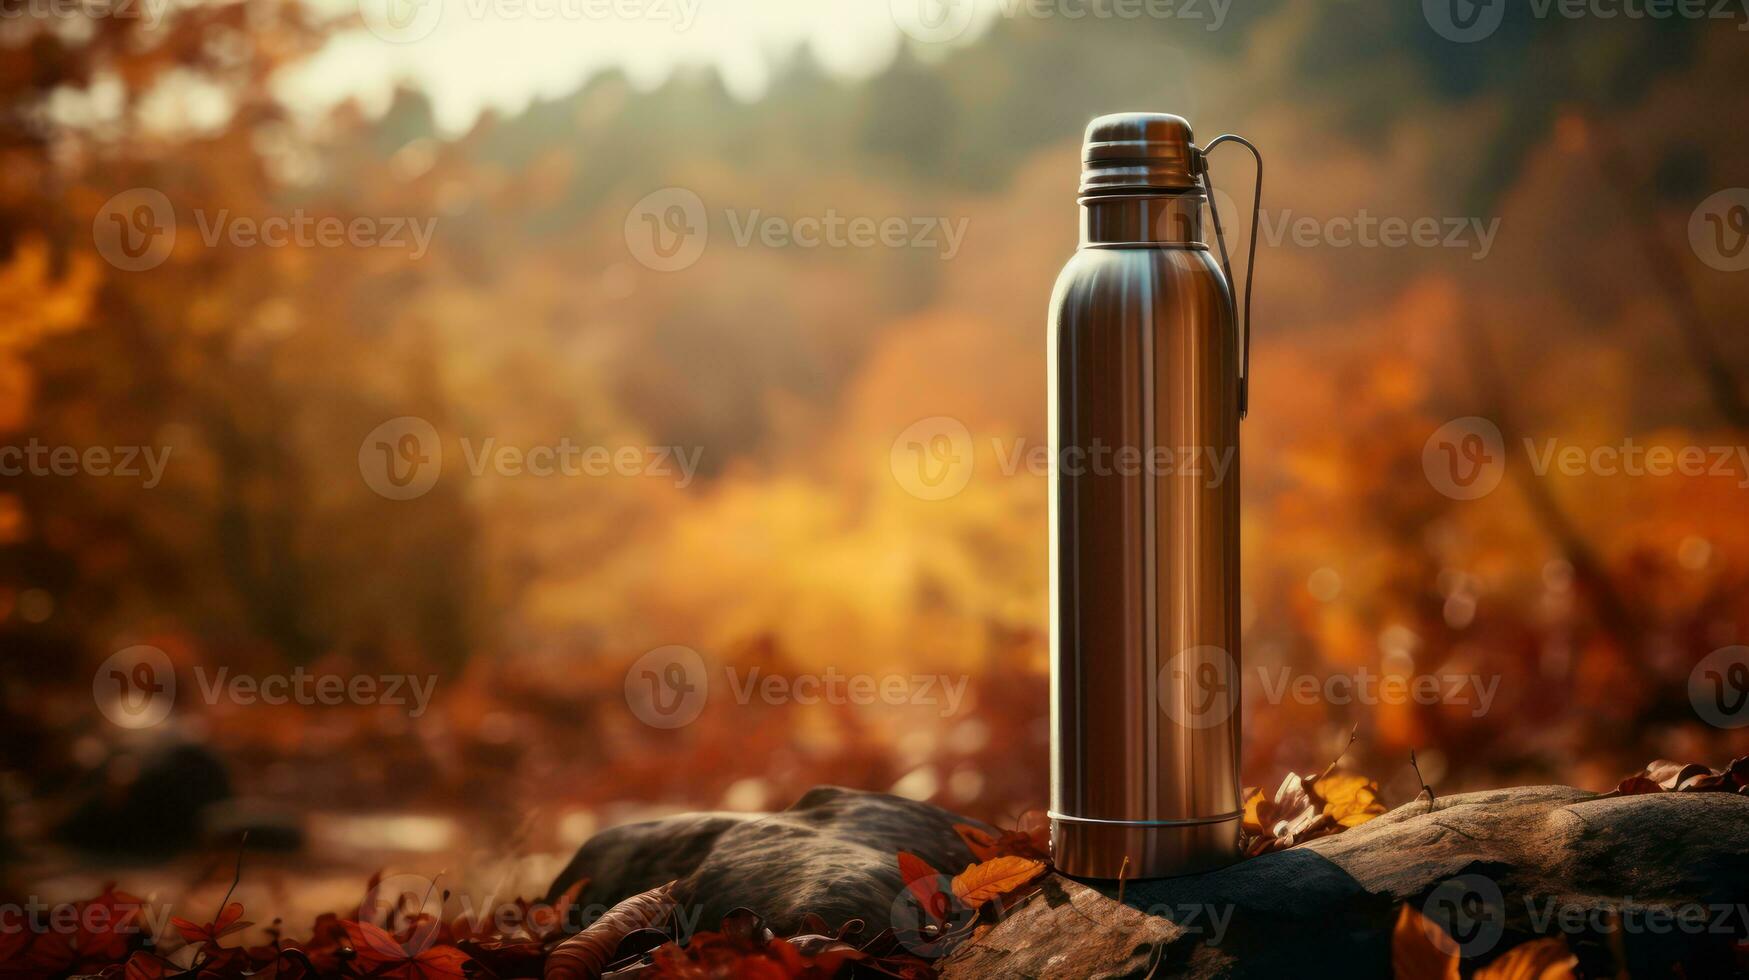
(1138, 151)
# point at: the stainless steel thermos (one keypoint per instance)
(1147, 388)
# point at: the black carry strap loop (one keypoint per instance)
(1227, 263)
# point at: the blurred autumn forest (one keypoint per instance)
(793, 370)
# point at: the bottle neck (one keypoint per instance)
(1173, 218)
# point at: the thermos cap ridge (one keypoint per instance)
(1130, 151)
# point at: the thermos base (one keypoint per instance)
(1087, 848)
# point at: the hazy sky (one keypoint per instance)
(473, 54)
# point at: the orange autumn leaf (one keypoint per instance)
(980, 883)
(1255, 801)
(982, 845)
(1539, 959)
(1421, 950)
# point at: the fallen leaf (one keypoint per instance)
(924, 883)
(1539, 959)
(418, 956)
(1421, 950)
(1349, 799)
(981, 882)
(225, 924)
(585, 955)
(979, 842)
(1665, 776)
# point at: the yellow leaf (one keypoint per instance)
(1254, 812)
(981, 882)
(1350, 799)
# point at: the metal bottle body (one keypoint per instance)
(1144, 436)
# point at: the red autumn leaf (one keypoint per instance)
(39, 954)
(226, 923)
(585, 955)
(13, 944)
(146, 966)
(109, 927)
(925, 885)
(221, 963)
(544, 921)
(418, 957)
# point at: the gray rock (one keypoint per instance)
(1641, 882)
(833, 853)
